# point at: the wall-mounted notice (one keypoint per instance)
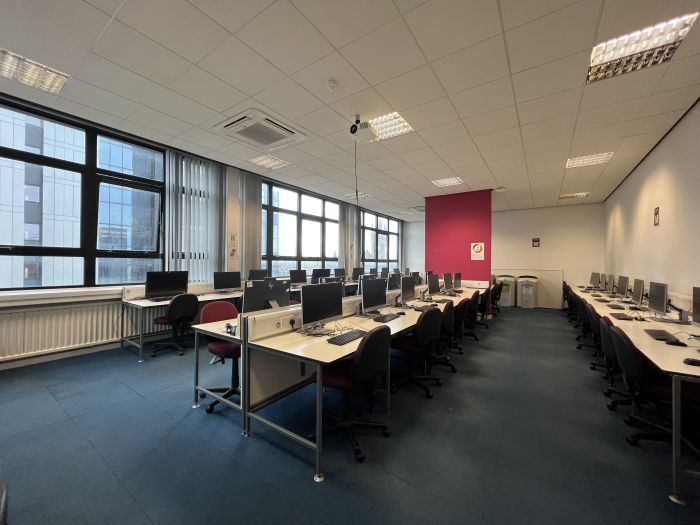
(477, 251)
(535, 242)
(232, 263)
(656, 216)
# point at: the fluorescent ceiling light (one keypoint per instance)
(269, 162)
(451, 181)
(589, 160)
(581, 195)
(31, 73)
(390, 125)
(358, 195)
(645, 48)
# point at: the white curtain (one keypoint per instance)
(349, 237)
(250, 221)
(195, 218)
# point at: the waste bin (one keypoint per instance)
(527, 291)
(508, 290)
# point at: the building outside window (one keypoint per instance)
(381, 238)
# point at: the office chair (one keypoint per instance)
(458, 327)
(470, 317)
(483, 308)
(222, 350)
(447, 324)
(612, 366)
(3, 502)
(179, 316)
(582, 319)
(420, 346)
(495, 297)
(592, 322)
(363, 373)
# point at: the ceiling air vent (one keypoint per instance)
(261, 131)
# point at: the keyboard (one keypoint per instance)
(442, 301)
(672, 321)
(458, 291)
(616, 307)
(621, 317)
(595, 295)
(603, 300)
(628, 302)
(639, 308)
(385, 318)
(160, 299)
(423, 308)
(452, 294)
(346, 337)
(660, 335)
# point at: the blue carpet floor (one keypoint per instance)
(519, 435)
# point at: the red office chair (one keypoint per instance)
(222, 350)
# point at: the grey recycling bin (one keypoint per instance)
(508, 290)
(527, 291)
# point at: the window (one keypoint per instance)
(380, 242)
(299, 230)
(76, 207)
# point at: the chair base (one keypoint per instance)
(162, 346)
(348, 425)
(225, 391)
(418, 381)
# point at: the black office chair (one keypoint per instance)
(447, 318)
(483, 308)
(471, 315)
(3, 502)
(364, 373)
(612, 367)
(495, 297)
(458, 327)
(179, 315)
(419, 346)
(592, 321)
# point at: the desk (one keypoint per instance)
(141, 305)
(667, 358)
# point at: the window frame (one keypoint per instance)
(380, 263)
(90, 178)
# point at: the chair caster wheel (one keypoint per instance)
(607, 393)
(611, 407)
(209, 409)
(428, 395)
(202, 395)
(359, 457)
(386, 433)
(153, 354)
(632, 440)
(438, 382)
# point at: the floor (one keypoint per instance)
(519, 435)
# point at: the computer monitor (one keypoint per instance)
(623, 283)
(317, 273)
(373, 294)
(429, 272)
(394, 281)
(385, 272)
(610, 283)
(458, 280)
(331, 279)
(397, 271)
(373, 271)
(416, 277)
(638, 291)
(321, 303)
(165, 284)
(297, 276)
(339, 272)
(261, 295)
(356, 272)
(408, 289)
(227, 280)
(447, 279)
(433, 284)
(595, 279)
(256, 275)
(696, 305)
(658, 297)
(407, 272)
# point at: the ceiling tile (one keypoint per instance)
(470, 160)
(549, 128)
(444, 133)
(316, 76)
(549, 144)
(592, 148)
(455, 148)
(666, 101)
(550, 106)
(318, 166)
(473, 66)
(177, 106)
(557, 35)
(139, 130)
(518, 12)
(404, 143)
(430, 114)
(102, 73)
(619, 112)
(399, 52)
(498, 139)
(412, 88)
(371, 151)
(238, 65)
(592, 135)
(681, 72)
(94, 115)
(318, 147)
(505, 152)
(623, 87)
(175, 24)
(158, 121)
(622, 17)
(204, 138)
(444, 26)
(289, 99)
(208, 90)
(418, 156)
(296, 44)
(492, 121)
(366, 103)
(231, 14)
(387, 163)
(661, 122)
(240, 151)
(547, 79)
(97, 98)
(484, 98)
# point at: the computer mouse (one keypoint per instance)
(400, 313)
(676, 342)
(691, 361)
(639, 319)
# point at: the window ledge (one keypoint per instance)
(45, 297)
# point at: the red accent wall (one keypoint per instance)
(452, 223)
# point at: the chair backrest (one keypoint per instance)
(637, 371)
(218, 311)
(3, 502)
(484, 300)
(447, 318)
(593, 321)
(372, 356)
(461, 312)
(473, 306)
(427, 330)
(606, 341)
(183, 308)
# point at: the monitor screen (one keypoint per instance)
(227, 280)
(331, 279)
(595, 279)
(320, 303)
(638, 291)
(373, 294)
(257, 275)
(416, 277)
(610, 283)
(385, 272)
(458, 280)
(317, 273)
(397, 271)
(433, 284)
(297, 276)
(696, 306)
(658, 297)
(258, 294)
(165, 284)
(408, 289)
(339, 272)
(373, 271)
(447, 278)
(407, 272)
(394, 281)
(623, 283)
(356, 272)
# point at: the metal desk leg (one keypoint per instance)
(196, 369)
(245, 392)
(675, 495)
(121, 333)
(319, 421)
(388, 385)
(142, 329)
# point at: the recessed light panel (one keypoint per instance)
(269, 162)
(641, 49)
(581, 195)
(589, 160)
(31, 73)
(451, 181)
(358, 195)
(390, 125)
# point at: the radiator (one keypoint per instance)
(34, 331)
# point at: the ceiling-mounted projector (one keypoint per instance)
(362, 131)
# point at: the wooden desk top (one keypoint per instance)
(147, 303)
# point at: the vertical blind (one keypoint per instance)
(195, 216)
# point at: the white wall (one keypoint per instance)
(414, 246)
(670, 179)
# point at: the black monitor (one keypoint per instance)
(416, 277)
(261, 295)
(595, 279)
(407, 272)
(696, 306)
(297, 276)
(321, 303)
(317, 273)
(339, 272)
(385, 272)
(256, 275)
(429, 272)
(331, 279)
(373, 271)
(458, 280)
(356, 272)
(433, 284)
(408, 289)
(638, 291)
(165, 284)
(658, 297)
(373, 294)
(397, 271)
(623, 283)
(227, 280)
(394, 281)
(447, 279)
(610, 283)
